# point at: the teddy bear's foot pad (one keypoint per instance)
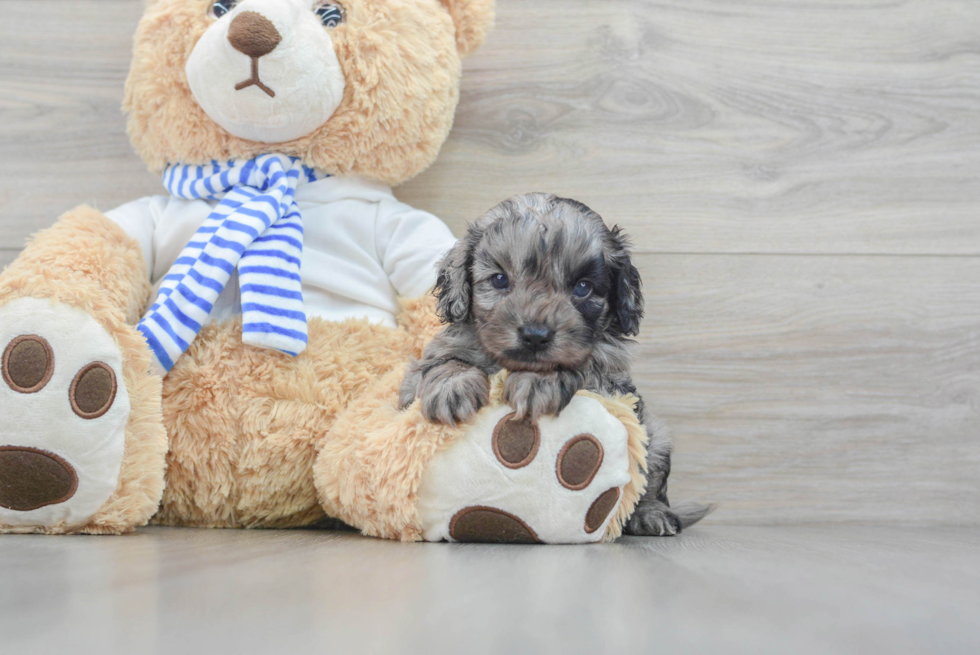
(486, 524)
(64, 411)
(557, 480)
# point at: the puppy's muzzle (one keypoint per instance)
(535, 337)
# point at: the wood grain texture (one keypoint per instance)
(62, 132)
(819, 388)
(733, 589)
(798, 176)
(719, 126)
(701, 126)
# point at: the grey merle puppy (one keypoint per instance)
(541, 287)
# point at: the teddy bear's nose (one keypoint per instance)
(253, 34)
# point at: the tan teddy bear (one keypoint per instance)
(229, 354)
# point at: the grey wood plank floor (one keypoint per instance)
(714, 589)
(799, 178)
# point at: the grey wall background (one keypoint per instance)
(800, 178)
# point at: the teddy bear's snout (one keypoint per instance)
(267, 70)
(253, 34)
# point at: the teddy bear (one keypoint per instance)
(228, 353)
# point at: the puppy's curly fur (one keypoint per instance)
(541, 287)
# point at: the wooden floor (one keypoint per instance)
(716, 589)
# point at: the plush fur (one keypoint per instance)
(401, 61)
(373, 482)
(245, 424)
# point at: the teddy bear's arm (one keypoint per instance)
(410, 243)
(85, 253)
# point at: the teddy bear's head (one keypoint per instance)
(351, 87)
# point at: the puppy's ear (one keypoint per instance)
(626, 298)
(453, 285)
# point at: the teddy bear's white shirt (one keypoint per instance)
(362, 248)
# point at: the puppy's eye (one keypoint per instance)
(221, 7)
(582, 289)
(331, 14)
(500, 281)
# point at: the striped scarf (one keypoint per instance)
(255, 227)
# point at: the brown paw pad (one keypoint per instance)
(31, 478)
(600, 509)
(93, 390)
(579, 461)
(28, 363)
(515, 443)
(489, 525)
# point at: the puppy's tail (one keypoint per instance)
(690, 512)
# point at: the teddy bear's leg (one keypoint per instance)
(370, 464)
(574, 478)
(371, 459)
(82, 443)
(391, 473)
(245, 422)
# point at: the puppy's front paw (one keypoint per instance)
(453, 392)
(534, 394)
(653, 520)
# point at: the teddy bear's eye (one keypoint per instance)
(221, 7)
(331, 14)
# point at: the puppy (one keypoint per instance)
(541, 287)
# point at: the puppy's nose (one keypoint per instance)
(535, 336)
(253, 34)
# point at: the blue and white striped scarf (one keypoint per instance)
(255, 227)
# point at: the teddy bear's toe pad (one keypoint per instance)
(600, 510)
(557, 480)
(28, 363)
(486, 524)
(64, 415)
(515, 443)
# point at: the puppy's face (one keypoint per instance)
(544, 280)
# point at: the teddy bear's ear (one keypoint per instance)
(473, 19)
